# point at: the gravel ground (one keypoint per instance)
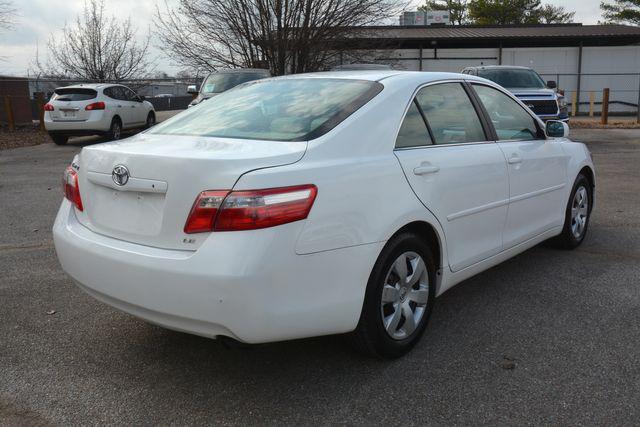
(549, 337)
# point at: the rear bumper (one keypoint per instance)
(250, 286)
(98, 122)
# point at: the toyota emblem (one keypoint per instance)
(120, 175)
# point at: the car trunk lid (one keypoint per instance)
(165, 175)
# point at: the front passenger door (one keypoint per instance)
(537, 168)
(457, 173)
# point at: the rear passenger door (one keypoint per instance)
(119, 104)
(458, 173)
(138, 113)
(537, 167)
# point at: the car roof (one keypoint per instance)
(386, 75)
(497, 67)
(240, 70)
(89, 86)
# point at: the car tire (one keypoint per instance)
(151, 120)
(59, 139)
(384, 330)
(577, 215)
(115, 130)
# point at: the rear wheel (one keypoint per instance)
(59, 139)
(399, 299)
(115, 131)
(151, 119)
(577, 215)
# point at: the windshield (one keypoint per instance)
(220, 82)
(513, 78)
(276, 110)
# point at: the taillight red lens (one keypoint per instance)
(250, 210)
(71, 188)
(48, 107)
(204, 211)
(95, 106)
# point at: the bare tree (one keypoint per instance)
(7, 14)
(97, 47)
(283, 35)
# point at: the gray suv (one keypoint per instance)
(528, 86)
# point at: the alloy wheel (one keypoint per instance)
(404, 295)
(579, 212)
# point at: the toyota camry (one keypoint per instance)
(327, 203)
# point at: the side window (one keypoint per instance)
(129, 94)
(109, 92)
(413, 131)
(510, 120)
(450, 114)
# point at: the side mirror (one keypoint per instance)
(192, 90)
(551, 84)
(141, 98)
(556, 129)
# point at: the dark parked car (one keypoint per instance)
(223, 80)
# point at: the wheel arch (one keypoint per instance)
(588, 173)
(428, 233)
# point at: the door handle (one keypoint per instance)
(514, 160)
(426, 169)
(119, 106)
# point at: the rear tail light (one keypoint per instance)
(71, 188)
(203, 213)
(48, 107)
(95, 106)
(250, 210)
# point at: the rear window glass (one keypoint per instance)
(275, 110)
(74, 94)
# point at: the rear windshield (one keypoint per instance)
(74, 94)
(514, 78)
(274, 110)
(220, 82)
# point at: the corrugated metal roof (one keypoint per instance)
(499, 32)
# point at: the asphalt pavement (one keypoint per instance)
(549, 337)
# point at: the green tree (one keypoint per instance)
(514, 12)
(549, 14)
(457, 9)
(621, 11)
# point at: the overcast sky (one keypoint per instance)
(38, 19)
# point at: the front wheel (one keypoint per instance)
(399, 298)
(577, 215)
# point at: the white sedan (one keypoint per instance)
(95, 109)
(319, 204)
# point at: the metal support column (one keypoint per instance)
(420, 58)
(577, 109)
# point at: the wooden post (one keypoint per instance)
(574, 104)
(9, 110)
(592, 101)
(638, 118)
(40, 104)
(605, 106)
